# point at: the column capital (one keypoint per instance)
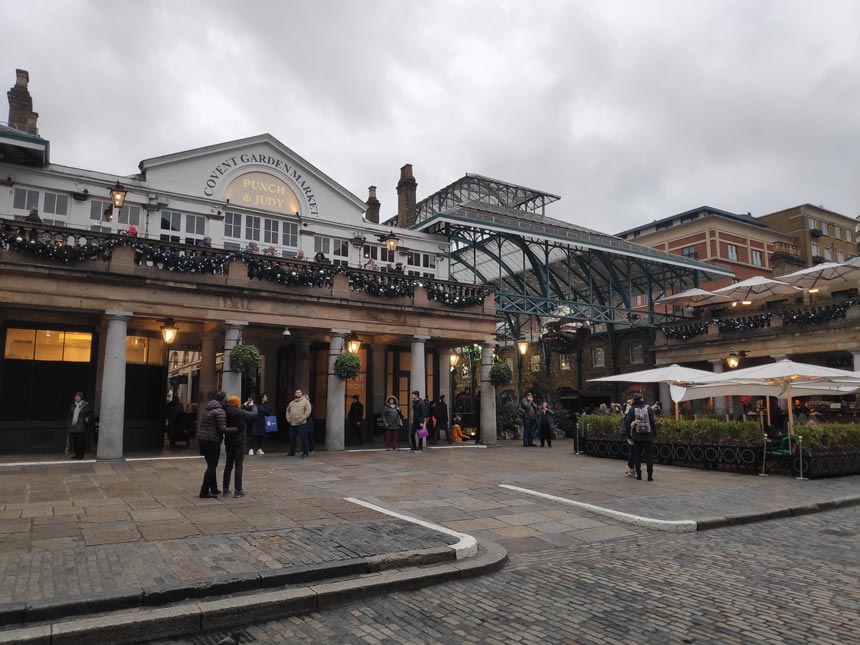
(420, 339)
(116, 314)
(339, 333)
(237, 324)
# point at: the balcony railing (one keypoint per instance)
(62, 245)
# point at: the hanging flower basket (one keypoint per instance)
(347, 366)
(501, 374)
(246, 360)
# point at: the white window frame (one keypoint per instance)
(233, 225)
(814, 249)
(732, 252)
(271, 231)
(824, 228)
(30, 199)
(564, 361)
(636, 353)
(56, 204)
(828, 253)
(757, 258)
(252, 227)
(290, 235)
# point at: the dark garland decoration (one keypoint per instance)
(170, 259)
(807, 317)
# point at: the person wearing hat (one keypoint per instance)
(392, 421)
(234, 443)
(355, 417)
(643, 430)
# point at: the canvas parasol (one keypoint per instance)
(828, 272)
(756, 287)
(691, 298)
(672, 374)
(784, 375)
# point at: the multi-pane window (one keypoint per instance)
(811, 223)
(840, 256)
(757, 258)
(534, 363)
(290, 235)
(195, 226)
(270, 231)
(56, 204)
(48, 345)
(322, 244)
(98, 210)
(846, 235)
(689, 252)
(836, 232)
(564, 361)
(144, 350)
(252, 228)
(24, 199)
(828, 255)
(128, 215)
(232, 224)
(636, 353)
(824, 228)
(340, 252)
(733, 252)
(598, 357)
(814, 249)
(386, 255)
(171, 221)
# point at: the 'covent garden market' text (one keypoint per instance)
(250, 158)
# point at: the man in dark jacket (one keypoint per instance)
(234, 443)
(420, 413)
(440, 412)
(529, 414)
(355, 416)
(213, 424)
(643, 430)
(78, 422)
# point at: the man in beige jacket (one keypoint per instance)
(298, 413)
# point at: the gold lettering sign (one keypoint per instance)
(260, 190)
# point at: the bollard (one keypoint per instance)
(800, 449)
(764, 457)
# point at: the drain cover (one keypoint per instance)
(214, 639)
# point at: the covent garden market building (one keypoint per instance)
(91, 294)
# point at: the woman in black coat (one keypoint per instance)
(258, 425)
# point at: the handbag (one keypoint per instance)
(272, 424)
(421, 432)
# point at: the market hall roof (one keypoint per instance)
(499, 234)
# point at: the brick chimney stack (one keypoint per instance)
(21, 113)
(372, 213)
(406, 189)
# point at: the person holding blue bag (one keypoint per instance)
(262, 424)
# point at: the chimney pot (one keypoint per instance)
(21, 115)
(407, 188)
(372, 212)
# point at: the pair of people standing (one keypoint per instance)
(227, 421)
(537, 421)
(298, 415)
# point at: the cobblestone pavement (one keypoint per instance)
(73, 528)
(784, 581)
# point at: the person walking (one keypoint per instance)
(234, 443)
(258, 425)
(546, 423)
(440, 413)
(420, 413)
(529, 414)
(213, 425)
(355, 417)
(392, 421)
(643, 430)
(77, 423)
(298, 413)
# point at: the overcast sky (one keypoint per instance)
(629, 110)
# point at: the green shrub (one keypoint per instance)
(501, 374)
(347, 366)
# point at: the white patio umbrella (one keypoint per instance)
(674, 373)
(692, 297)
(756, 287)
(785, 375)
(828, 272)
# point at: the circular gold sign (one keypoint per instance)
(263, 191)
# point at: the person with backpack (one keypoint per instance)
(643, 430)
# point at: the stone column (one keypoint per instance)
(377, 383)
(665, 395)
(335, 418)
(231, 382)
(856, 356)
(112, 406)
(208, 375)
(487, 431)
(719, 401)
(418, 373)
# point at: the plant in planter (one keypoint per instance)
(246, 359)
(501, 374)
(347, 366)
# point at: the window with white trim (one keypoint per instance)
(56, 204)
(24, 199)
(814, 249)
(828, 254)
(129, 215)
(840, 256)
(270, 231)
(564, 361)
(689, 252)
(252, 227)
(757, 258)
(290, 234)
(232, 224)
(846, 235)
(636, 353)
(195, 227)
(733, 252)
(811, 223)
(824, 228)
(98, 210)
(836, 232)
(598, 357)
(171, 221)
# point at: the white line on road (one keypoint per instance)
(465, 548)
(672, 526)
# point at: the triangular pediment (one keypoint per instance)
(258, 172)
